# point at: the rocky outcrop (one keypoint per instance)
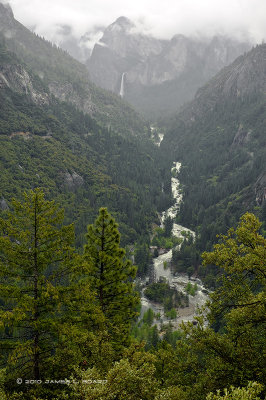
(72, 180)
(242, 136)
(66, 92)
(3, 204)
(16, 78)
(260, 189)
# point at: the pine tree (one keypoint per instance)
(168, 226)
(36, 261)
(111, 276)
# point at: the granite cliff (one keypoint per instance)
(157, 75)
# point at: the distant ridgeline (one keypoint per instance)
(76, 159)
(157, 76)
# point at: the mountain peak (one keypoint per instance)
(6, 9)
(121, 24)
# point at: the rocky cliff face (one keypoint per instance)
(260, 189)
(6, 15)
(66, 92)
(121, 50)
(151, 67)
(16, 78)
(244, 78)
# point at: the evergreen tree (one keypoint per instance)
(142, 258)
(111, 275)
(36, 261)
(168, 226)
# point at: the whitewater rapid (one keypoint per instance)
(162, 264)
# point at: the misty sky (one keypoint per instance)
(159, 18)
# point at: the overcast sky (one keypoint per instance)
(159, 18)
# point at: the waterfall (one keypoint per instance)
(122, 86)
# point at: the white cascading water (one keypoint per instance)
(179, 281)
(122, 86)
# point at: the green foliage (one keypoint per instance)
(111, 275)
(230, 349)
(35, 257)
(80, 162)
(148, 317)
(46, 309)
(142, 258)
(186, 258)
(163, 237)
(248, 393)
(162, 293)
(168, 225)
(83, 326)
(226, 345)
(242, 255)
(132, 378)
(170, 336)
(191, 289)
(147, 334)
(172, 314)
(223, 157)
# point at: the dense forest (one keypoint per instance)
(66, 317)
(77, 160)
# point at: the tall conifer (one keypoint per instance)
(111, 276)
(36, 262)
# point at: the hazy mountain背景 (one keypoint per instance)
(157, 76)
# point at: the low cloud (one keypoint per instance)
(238, 18)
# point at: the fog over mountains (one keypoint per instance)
(154, 60)
(158, 75)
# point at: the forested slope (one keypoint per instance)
(220, 140)
(79, 162)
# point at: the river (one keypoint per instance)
(178, 281)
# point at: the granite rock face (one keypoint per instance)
(66, 92)
(242, 79)
(260, 189)
(72, 180)
(16, 78)
(170, 70)
(121, 50)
